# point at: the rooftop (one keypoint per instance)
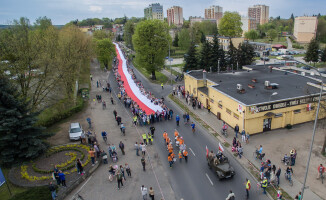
(289, 85)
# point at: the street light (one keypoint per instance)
(274, 93)
(314, 130)
(169, 55)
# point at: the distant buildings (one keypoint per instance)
(200, 19)
(175, 16)
(225, 41)
(260, 13)
(214, 12)
(248, 24)
(305, 29)
(154, 11)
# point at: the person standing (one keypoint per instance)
(243, 135)
(185, 154)
(264, 185)
(208, 108)
(119, 179)
(137, 148)
(80, 168)
(177, 119)
(152, 128)
(151, 193)
(278, 174)
(92, 154)
(231, 196)
(56, 174)
(162, 86)
(248, 186)
(122, 147)
(144, 192)
(236, 130)
(143, 162)
(118, 120)
(115, 114)
(62, 177)
(52, 190)
(180, 156)
(128, 170)
(170, 159)
(144, 136)
(143, 149)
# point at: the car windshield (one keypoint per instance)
(75, 130)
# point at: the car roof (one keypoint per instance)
(75, 125)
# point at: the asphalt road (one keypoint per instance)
(194, 180)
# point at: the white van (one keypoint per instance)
(75, 131)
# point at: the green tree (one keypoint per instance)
(100, 34)
(191, 58)
(186, 24)
(184, 39)
(272, 34)
(208, 28)
(175, 42)
(246, 54)
(230, 25)
(217, 55)
(129, 30)
(20, 140)
(205, 56)
(202, 38)
(232, 56)
(105, 51)
(150, 42)
(252, 35)
(312, 52)
(321, 30)
(323, 55)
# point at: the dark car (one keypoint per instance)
(264, 58)
(305, 67)
(221, 166)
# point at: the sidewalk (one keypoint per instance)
(249, 149)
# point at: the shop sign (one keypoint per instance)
(240, 108)
(284, 104)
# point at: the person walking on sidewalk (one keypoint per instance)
(278, 174)
(52, 190)
(143, 162)
(236, 130)
(122, 147)
(243, 135)
(115, 113)
(177, 119)
(144, 136)
(119, 179)
(162, 86)
(128, 170)
(248, 186)
(143, 149)
(264, 185)
(144, 192)
(185, 155)
(137, 147)
(151, 193)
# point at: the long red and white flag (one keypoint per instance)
(206, 151)
(220, 147)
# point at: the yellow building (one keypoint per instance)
(258, 99)
(305, 29)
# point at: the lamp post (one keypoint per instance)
(274, 93)
(169, 56)
(313, 132)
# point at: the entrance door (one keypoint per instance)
(267, 124)
(206, 103)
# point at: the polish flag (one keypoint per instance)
(220, 147)
(206, 151)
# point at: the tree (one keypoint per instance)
(186, 24)
(246, 54)
(292, 17)
(176, 40)
(312, 52)
(105, 51)
(129, 30)
(321, 30)
(20, 140)
(100, 34)
(205, 56)
(272, 34)
(191, 58)
(202, 38)
(323, 55)
(217, 55)
(252, 35)
(184, 39)
(230, 25)
(150, 42)
(208, 28)
(232, 56)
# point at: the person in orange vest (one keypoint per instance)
(170, 149)
(180, 156)
(170, 159)
(176, 134)
(165, 134)
(185, 154)
(167, 140)
(172, 154)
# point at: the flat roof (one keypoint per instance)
(203, 90)
(290, 85)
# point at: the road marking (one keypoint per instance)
(192, 151)
(209, 179)
(82, 187)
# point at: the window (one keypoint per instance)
(278, 115)
(297, 111)
(235, 116)
(220, 106)
(228, 111)
(212, 100)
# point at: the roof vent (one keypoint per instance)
(254, 80)
(312, 74)
(240, 89)
(303, 73)
(267, 83)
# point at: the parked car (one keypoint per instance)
(75, 131)
(274, 54)
(264, 58)
(280, 58)
(322, 70)
(305, 67)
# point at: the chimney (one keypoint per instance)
(204, 77)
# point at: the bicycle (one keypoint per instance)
(288, 177)
(225, 132)
(321, 176)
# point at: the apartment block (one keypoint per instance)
(305, 29)
(248, 24)
(175, 16)
(260, 13)
(154, 11)
(214, 12)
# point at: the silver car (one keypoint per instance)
(75, 131)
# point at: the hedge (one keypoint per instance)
(39, 193)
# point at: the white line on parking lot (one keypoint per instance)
(209, 179)
(192, 151)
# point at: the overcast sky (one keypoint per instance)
(63, 11)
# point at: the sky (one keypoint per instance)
(63, 11)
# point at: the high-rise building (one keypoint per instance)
(305, 28)
(154, 11)
(248, 24)
(260, 13)
(175, 16)
(214, 12)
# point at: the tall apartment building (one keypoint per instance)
(260, 13)
(154, 11)
(175, 16)
(248, 24)
(305, 28)
(214, 12)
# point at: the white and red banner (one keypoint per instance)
(220, 147)
(131, 87)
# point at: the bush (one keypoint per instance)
(39, 193)
(59, 111)
(297, 46)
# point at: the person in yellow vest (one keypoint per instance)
(135, 120)
(248, 186)
(149, 138)
(180, 156)
(185, 154)
(144, 138)
(264, 185)
(162, 86)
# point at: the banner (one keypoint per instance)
(2, 178)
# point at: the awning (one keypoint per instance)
(269, 114)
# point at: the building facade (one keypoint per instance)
(260, 14)
(248, 24)
(305, 29)
(255, 98)
(154, 11)
(214, 12)
(175, 16)
(194, 19)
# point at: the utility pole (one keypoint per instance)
(218, 66)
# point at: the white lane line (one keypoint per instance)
(192, 151)
(82, 187)
(209, 179)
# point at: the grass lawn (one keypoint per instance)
(160, 77)
(4, 193)
(275, 41)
